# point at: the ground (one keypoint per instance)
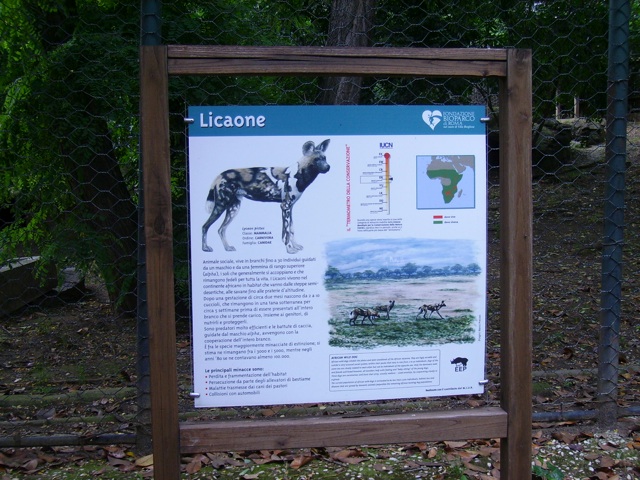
(612, 455)
(71, 368)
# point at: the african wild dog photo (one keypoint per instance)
(283, 185)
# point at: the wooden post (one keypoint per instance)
(155, 150)
(516, 264)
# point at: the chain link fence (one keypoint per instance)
(73, 332)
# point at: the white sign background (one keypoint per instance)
(270, 327)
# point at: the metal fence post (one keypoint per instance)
(150, 34)
(618, 75)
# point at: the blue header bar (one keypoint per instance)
(228, 121)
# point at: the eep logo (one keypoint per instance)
(460, 364)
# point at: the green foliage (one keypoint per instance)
(409, 270)
(550, 473)
(68, 136)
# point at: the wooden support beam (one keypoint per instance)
(235, 60)
(155, 150)
(516, 268)
(342, 431)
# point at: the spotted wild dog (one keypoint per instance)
(430, 309)
(385, 308)
(365, 313)
(283, 185)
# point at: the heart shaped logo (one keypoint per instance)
(432, 118)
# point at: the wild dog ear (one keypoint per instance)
(323, 146)
(308, 148)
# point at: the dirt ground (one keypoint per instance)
(71, 368)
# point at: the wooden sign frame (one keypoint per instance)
(511, 422)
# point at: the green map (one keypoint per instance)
(455, 177)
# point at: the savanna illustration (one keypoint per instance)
(407, 292)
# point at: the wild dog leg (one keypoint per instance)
(232, 210)
(287, 226)
(215, 214)
(292, 239)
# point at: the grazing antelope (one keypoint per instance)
(385, 308)
(431, 309)
(283, 185)
(365, 313)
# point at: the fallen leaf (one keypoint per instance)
(145, 461)
(116, 452)
(217, 460)
(452, 445)
(300, 461)
(262, 461)
(31, 465)
(118, 462)
(564, 437)
(351, 456)
(251, 476)
(474, 468)
(194, 466)
(11, 462)
(467, 454)
(608, 447)
(488, 451)
(607, 462)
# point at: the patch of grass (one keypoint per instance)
(41, 374)
(45, 326)
(542, 388)
(77, 372)
(402, 333)
(550, 473)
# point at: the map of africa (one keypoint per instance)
(445, 181)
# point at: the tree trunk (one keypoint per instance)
(350, 25)
(104, 204)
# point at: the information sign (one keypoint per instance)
(338, 253)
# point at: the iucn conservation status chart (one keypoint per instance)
(378, 177)
(320, 271)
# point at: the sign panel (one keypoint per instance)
(338, 253)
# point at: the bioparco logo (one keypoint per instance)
(432, 118)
